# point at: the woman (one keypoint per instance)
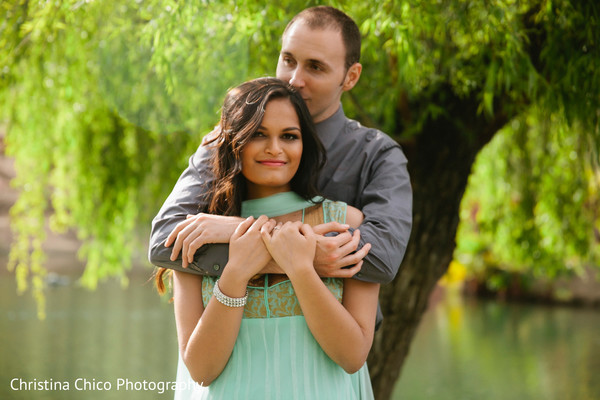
(290, 335)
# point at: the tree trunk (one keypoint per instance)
(440, 161)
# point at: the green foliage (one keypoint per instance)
(106, 100)
(532, 202)
(412, 48)
(89, 112)
(160, 63)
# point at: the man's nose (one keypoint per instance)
(297, 79)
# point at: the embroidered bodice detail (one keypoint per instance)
(279, 300)
(334, 211)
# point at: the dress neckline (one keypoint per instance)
(276, 205)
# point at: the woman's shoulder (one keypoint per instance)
(341, 212)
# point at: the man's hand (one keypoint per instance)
(335, 252)
(198, 230)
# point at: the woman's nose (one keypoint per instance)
(273, 146)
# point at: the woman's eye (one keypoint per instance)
(290, 136)
(258, 134)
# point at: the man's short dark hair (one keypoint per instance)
(326, 17)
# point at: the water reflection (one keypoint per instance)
(100, 336)
(473, 349)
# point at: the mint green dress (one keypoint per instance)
(275, 355)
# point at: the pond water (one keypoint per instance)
(88, 341)
(474, 349)
(105, 344)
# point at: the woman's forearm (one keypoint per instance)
(212, 336)
(346, 338)
(209, 345)
(212, 342)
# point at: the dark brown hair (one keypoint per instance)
(241, 116)
(326, 17)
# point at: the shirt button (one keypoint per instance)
(216, 267)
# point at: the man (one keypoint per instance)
(320, 57)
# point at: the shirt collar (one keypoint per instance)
(329, 129)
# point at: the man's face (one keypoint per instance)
(313, 62)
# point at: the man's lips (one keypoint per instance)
(272, 163)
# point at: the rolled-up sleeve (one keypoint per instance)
(386, 202)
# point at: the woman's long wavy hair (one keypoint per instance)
(241, 115)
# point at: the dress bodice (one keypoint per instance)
(278, 300)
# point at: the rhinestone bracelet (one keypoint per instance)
(229, 301)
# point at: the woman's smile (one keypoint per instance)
(272, 163)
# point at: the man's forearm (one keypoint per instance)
(375, 271)
(211, 258)
(382, 262)
(388, 221)
(208, 260)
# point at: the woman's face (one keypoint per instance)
(272, 156)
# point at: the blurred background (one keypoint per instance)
(494, 103)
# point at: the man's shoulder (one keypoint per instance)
(371, 136)
(203, 157)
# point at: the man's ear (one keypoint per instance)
(352, 76)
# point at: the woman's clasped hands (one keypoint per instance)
(247, 252)
(291, 245)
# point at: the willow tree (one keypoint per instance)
(532, 215)
(105, 101)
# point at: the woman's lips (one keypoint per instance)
(272, 163)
